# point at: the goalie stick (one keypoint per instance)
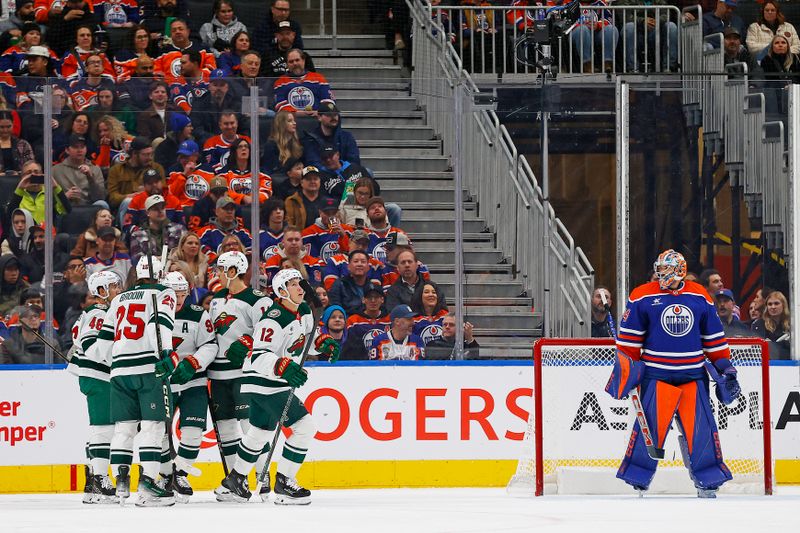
(316, 308)
(652, 450)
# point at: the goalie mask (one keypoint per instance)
(669, 268)
(281, 280)
(143, 268)
(104, 279)
(230, 260)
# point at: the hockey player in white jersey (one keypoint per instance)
(93, 373)
(270, 373)
(234, 311)
(129, 340)
(194, 342)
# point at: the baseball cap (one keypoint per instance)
(285, 25)
(225, 201)
(730, 30)
(328, 107)
(401, 311)
(395, 239)
(188, 147)
(731, 3)
(373, 288)
(327, 150)
(151, 175)
(310, 170)
(375, 200)
(359, 235)
(725, 293)
(218, 183)
(76, 139)
(329, 204)
(106, 231)
(41, 51)
(138, 143)
(153, 201)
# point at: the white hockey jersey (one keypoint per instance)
(234, 315)
(280, 333)
(193, 334)
(128, 335)
(86, 361)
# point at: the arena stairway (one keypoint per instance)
(406, 155)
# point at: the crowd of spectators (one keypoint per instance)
(151, 148)
(767, 316)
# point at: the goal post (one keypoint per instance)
(577, 434)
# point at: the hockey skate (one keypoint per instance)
(263, 492)
(706, 493)
(88, 487)
(234, 488)
(154, 494)
(288, 492)
(123, 483)
(103, 489)
(183, 490)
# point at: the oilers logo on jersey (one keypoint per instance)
(115, 14)
(329, 249)
(270, 251)
(379, 252)
(196, 187)
(431, 333)
(677, 320)
(175, 67)
(301, 98)
(240, 185)
(370, 336)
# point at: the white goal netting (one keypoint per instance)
(577, 434)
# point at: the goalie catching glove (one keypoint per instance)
(327, 346)
(724, 375)
(185, 370)
(240, 349)
(626, 375)
(166, 366)
(294, 374)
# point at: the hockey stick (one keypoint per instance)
(216, 431)
(652, 450)
(165, 388)
(316, 308)
(46, 343)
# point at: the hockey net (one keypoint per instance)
(577, 434)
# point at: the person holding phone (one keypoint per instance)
(29, 194)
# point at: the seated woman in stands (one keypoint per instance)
(775, 324)
(218, 34)
(240, 179)
(87, 241)
(14, 152)
(771, 23)
(189, 252)
(230, 61)
(356, 207)
(112, 140)
(780, 63)
(429, 304)
(283, 144)
(139, 44)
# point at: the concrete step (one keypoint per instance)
(373, 73)
(478, 269)
(423, 162)
(494, 305)
(424, 246)
(374, 86)
(412, 194)
(471, 256)
(389, 133)
(506, 350)
(412, 175)
(501, 319)
(472, 278)
(377, 118)
(344, 42)
(408, 151)
(324, 63)
(409, 209)
(497, 289)
(364, 93)
(384, 104)
(414, 224)
(361, 52)
(450, 237)
(496, 335)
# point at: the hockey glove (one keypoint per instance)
(327, 346)
(724, 374)
(166, 366)
(185, 371)
(240, 349)
(294, 374)
(626, 375)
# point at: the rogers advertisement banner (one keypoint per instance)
(381, 412)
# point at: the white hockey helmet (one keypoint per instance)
(233, 259)
(176, 281)
(104, 279)
(143, 268)
(281, 279)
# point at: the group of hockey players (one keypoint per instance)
(142, 353)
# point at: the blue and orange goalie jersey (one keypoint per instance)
(298, 93)
(672, 332)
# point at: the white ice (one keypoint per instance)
(413, 511)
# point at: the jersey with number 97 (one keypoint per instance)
(128, 337)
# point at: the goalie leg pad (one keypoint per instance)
(122, 445)
(151, 441)
(660, 401)
(702, 454)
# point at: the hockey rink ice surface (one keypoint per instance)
(412, 511)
